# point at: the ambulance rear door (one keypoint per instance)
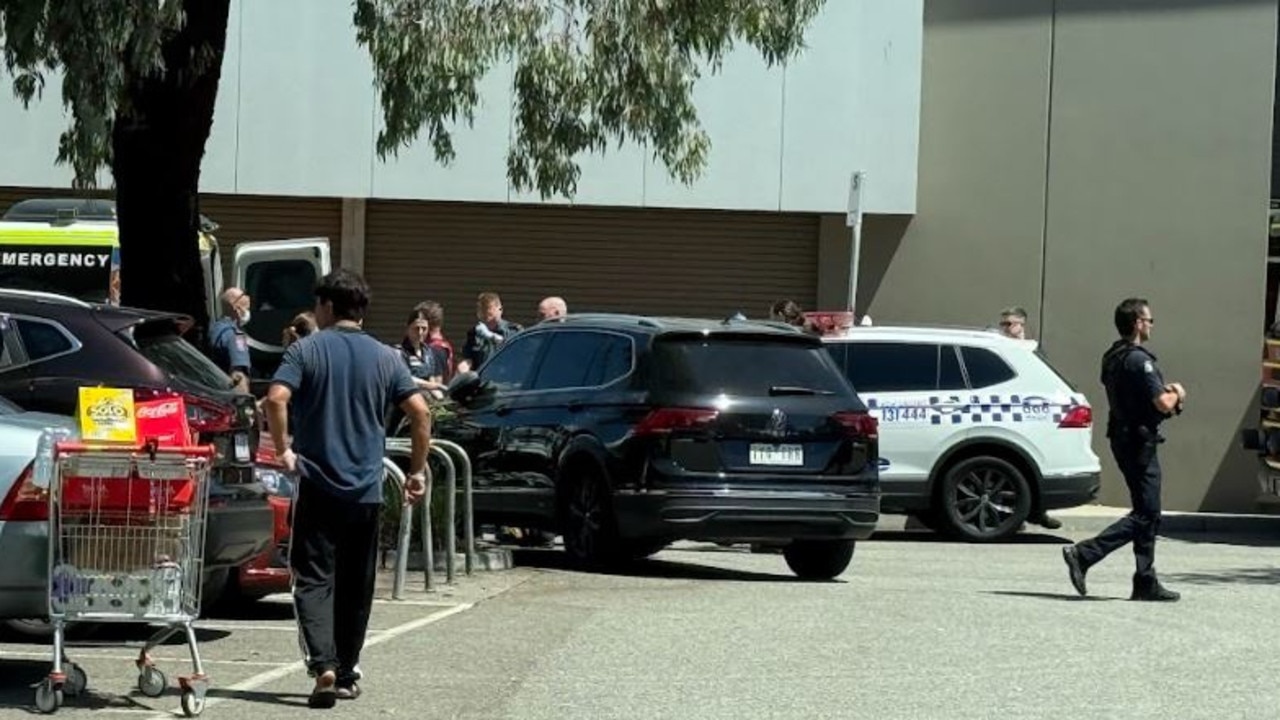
(280, 277)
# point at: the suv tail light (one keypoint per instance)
(203, 416)
(664, 420)
(859, 424)
(1079, 417)
(25, 502)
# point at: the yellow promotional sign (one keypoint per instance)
(106, 415)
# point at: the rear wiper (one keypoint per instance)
(796, 390)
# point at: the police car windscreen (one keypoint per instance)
(83, 272)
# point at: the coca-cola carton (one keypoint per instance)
(163, 420)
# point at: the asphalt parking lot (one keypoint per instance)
(918, 628)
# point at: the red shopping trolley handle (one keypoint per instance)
(150, 448)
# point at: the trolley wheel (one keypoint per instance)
(152, 682)
(192, 702)
(76, 682)
(48, 698)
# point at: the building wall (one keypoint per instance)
(297, 114)
(1076, 152)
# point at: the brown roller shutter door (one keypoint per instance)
(658, 262)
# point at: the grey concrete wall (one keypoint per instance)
(1159, 176)
(1075, 152)
(974, 245)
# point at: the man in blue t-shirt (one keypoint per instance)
(341, 383)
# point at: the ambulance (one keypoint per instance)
(71, 246)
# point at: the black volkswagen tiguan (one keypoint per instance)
(625, 433)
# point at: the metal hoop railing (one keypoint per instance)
(453, 458)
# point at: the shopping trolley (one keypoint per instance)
(126, 545)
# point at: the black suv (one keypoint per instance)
(53, 345)
(625, 433)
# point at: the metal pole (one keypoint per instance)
(394, 474)
(857, 185)
(468, 501)
(428, 551)
(854, 262)
(450, 510)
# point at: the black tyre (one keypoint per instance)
(818, 560)
(641, 548)
(984, 499)
(590, 527)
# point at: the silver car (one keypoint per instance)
(24, 512)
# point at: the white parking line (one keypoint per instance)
(424, 603)
(290, 628)
(263, 678)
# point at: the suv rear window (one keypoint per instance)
(985, 368)
(744, 367)
(159, 343)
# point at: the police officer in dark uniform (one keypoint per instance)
(227, 339)
(1140, 400)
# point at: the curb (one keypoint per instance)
(1095, 519)
(1220, 524)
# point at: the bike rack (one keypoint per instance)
(446, 451)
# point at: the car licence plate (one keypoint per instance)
(788, 455)
(242, 447)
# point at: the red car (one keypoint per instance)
(268, 572)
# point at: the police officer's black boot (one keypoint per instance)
(1150, 590)
(1075, 568)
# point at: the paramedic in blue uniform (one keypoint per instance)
(1140, 400)
(227, 338)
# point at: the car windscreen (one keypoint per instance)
(159, 342)
(747, 367)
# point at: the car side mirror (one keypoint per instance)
(464, 387)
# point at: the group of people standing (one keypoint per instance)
(432, 359)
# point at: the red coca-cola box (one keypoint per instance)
(163, 420)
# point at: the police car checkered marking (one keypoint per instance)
(979, 409)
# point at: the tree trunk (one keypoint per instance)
(157, 145)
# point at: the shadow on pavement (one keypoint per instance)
(117, 633)
(258, 610)
(557, 560)
(1222, 538)
(294, 700)
(1241, 576)
(16, 692)
(1066, 597)
(927, 536)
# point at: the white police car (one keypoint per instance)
(978, 433)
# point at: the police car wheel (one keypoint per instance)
(985, 499)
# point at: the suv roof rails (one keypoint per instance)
(48, 297)
(613, 317)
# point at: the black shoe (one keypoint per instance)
(324, 696)
(1072, 558)
(1047, 522)
(1153, 592)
